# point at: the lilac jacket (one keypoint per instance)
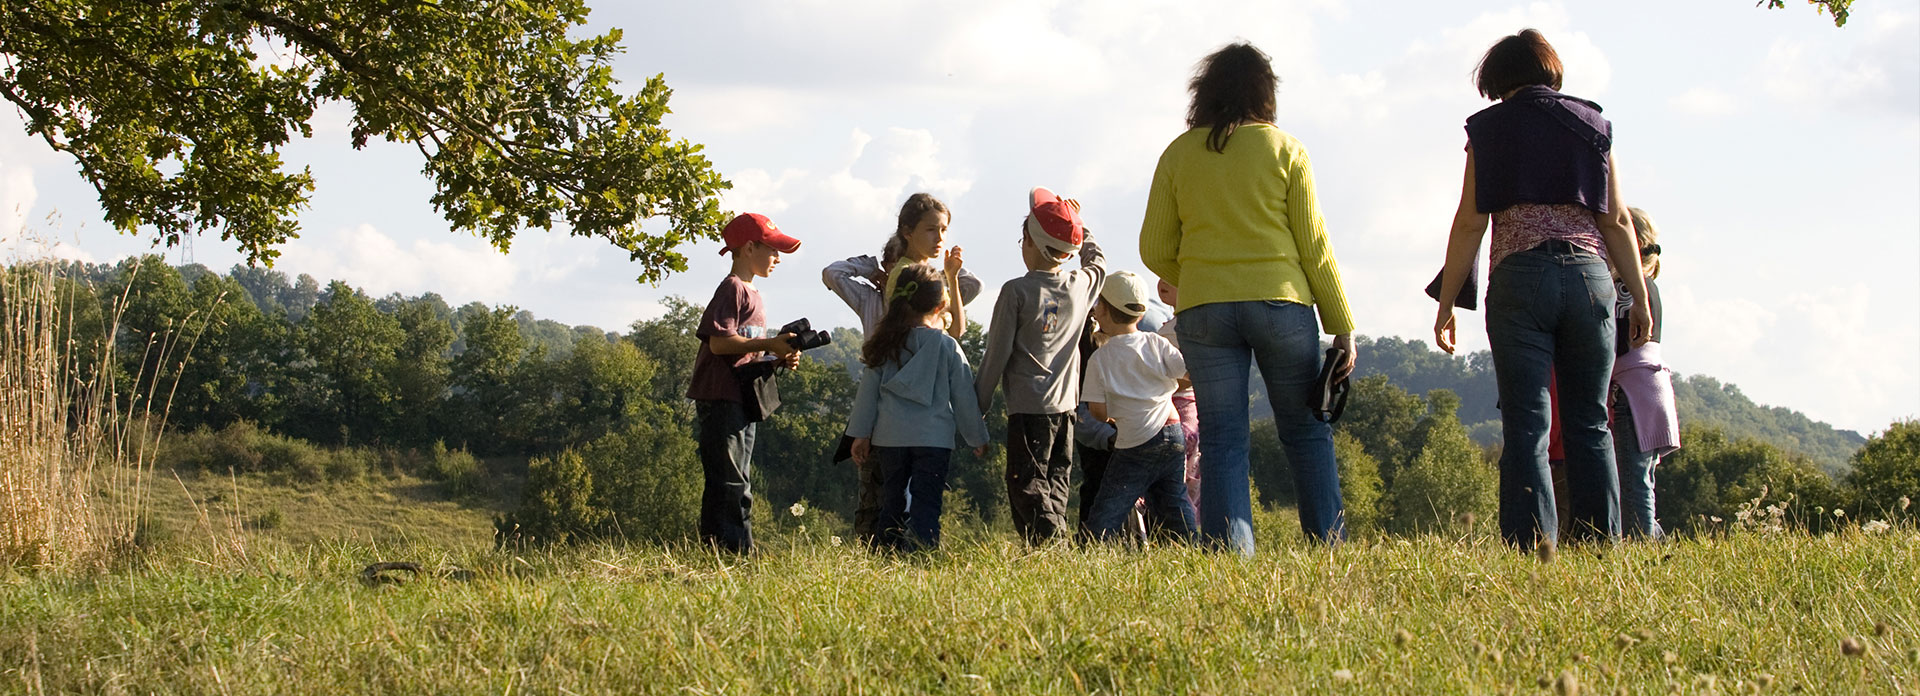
(1647, 385)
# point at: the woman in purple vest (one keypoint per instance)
(1540, 166)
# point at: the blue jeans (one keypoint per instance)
(1221, 342)
(1550, 310)
(1156, 469)
(922, 473)
(1637, 518)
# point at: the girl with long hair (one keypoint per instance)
(916, 395)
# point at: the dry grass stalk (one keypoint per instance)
(76, 441)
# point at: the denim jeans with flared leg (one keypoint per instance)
(1221, 343)
(1550, 310)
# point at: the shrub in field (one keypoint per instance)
(1706, 482)
(640, 483)
(557, 506)
(1887, 470)
(1359, 484)
(457, 468)
(1445, 482)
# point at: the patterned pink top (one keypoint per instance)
(1527, 225)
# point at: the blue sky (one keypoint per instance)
(1779, 155)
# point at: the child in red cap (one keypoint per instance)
(733, 339)
(1032, 348)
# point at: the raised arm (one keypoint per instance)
(956, 304)
(851, 280)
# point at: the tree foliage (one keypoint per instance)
(1446, 482)
(1887, 470)
(1714, 474)
(177, 118)
(1838, 9)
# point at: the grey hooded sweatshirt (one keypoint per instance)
(921, 400)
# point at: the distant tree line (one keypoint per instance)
(276, 372)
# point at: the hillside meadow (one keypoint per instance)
(238, 603)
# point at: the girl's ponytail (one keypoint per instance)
(917, 294)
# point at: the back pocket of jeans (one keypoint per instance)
(1513, 287)
(1599, 292)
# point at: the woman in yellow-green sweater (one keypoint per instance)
(1232, 222)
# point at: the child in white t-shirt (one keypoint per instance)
(1130, 382)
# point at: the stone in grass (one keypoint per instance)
(1566, 685)
(1853, 647)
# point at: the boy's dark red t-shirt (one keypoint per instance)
(735, 310)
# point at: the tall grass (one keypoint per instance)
(72, 424)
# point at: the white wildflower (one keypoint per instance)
(1837, 512)
(1904, 502)
(1716, 519)
(835, 540)
(798, 509)
(1876, 527)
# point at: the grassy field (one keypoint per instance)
(1738, 614)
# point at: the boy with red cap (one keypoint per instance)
(733, 341)
(1032, 351)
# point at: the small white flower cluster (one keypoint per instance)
(1765, 519)
(1876, 527)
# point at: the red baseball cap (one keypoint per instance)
(754, 227)
(1053, 224)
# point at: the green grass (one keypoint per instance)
(1715, 615)
(378, 508)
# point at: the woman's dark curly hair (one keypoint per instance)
(1233, 85)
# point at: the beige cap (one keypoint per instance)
(1127, 292)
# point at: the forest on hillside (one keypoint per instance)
(269, 365)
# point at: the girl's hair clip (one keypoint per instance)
(905, 290)
(1649, 250)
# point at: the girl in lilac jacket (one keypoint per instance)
(1646, 425)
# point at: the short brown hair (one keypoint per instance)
(1518, 61)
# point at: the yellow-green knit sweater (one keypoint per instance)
(1242, 225)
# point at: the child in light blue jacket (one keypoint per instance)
(916, 394)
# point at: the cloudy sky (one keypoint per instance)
(1779, 155)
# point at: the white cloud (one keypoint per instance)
(17, 195)
(1704, 102)
(378, 264)
(1880, 73)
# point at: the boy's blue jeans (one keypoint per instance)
(1156, 469)
(1550, 310)
(1221, 342)
(921, 472)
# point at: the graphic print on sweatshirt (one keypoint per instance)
(1049, 315)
